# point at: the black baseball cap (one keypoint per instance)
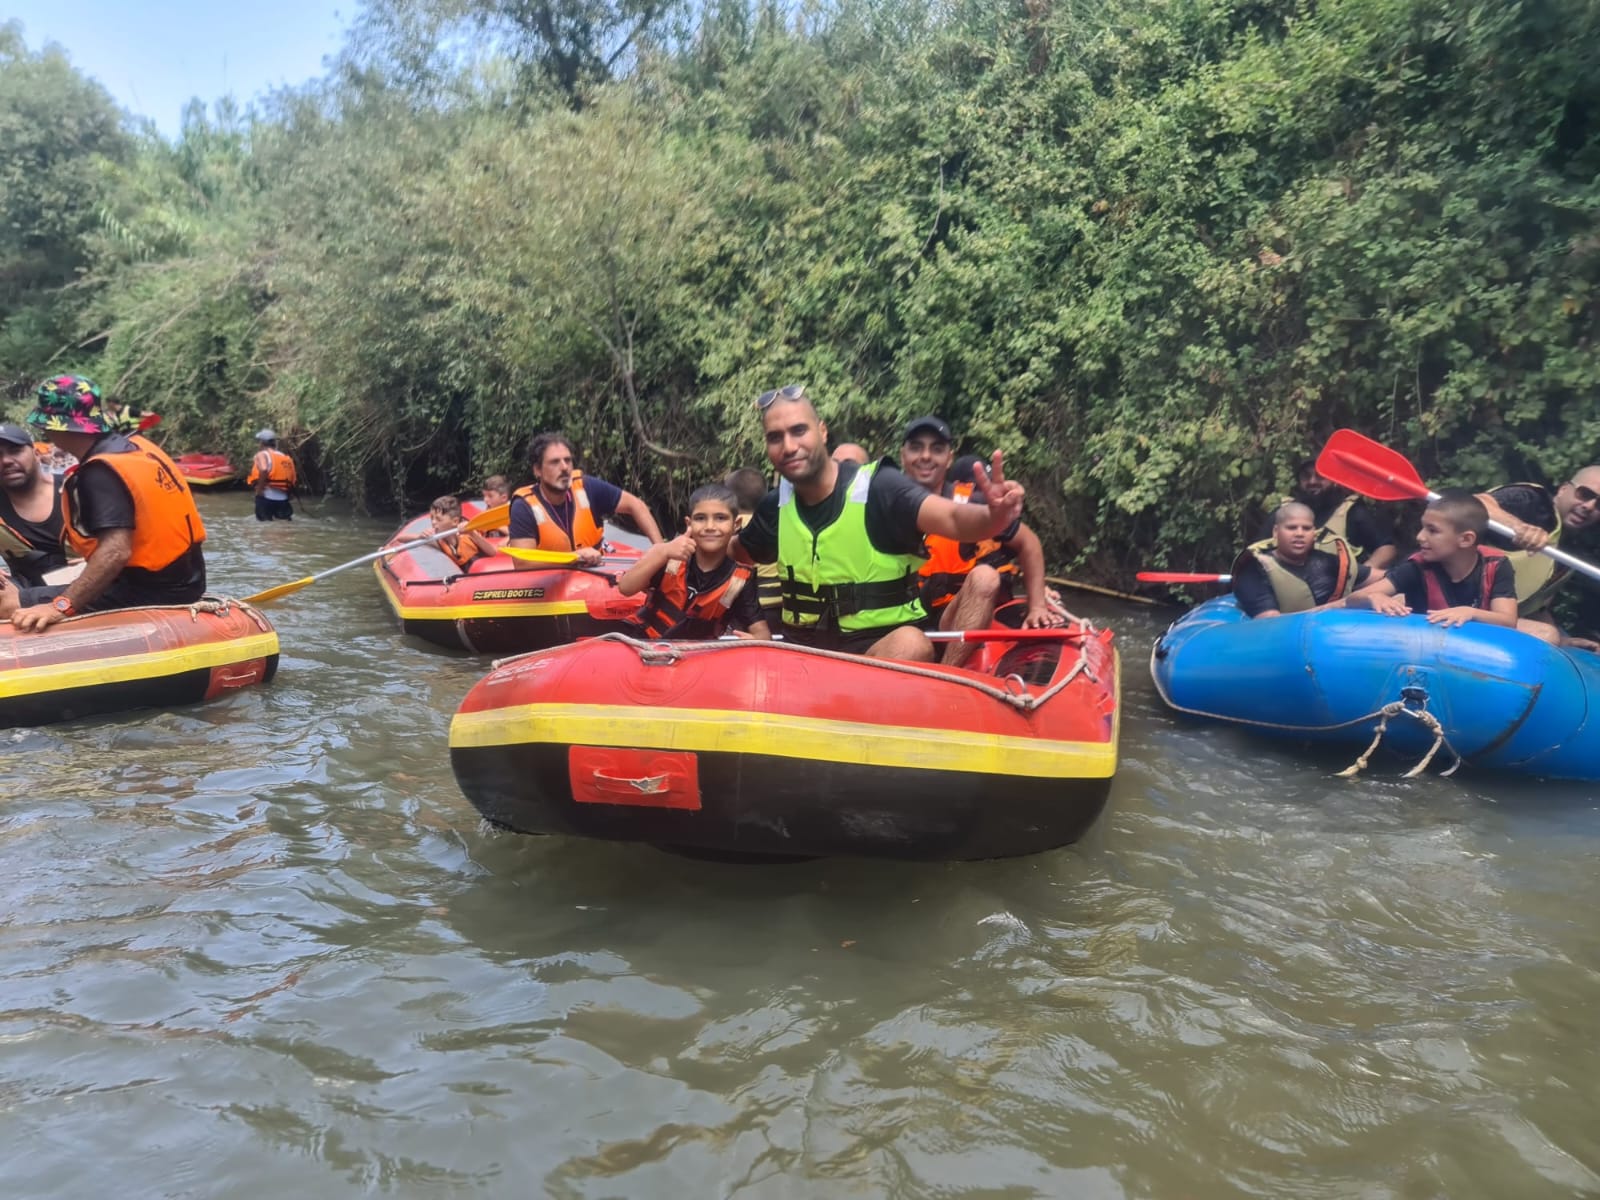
(934, 424)
(16, 435)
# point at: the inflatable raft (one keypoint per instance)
(499, 605)
(133, 658)
(206, 470)
(770, 749)
(1493, 697)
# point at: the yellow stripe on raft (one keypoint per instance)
(780, 735)
(60, 677)
(480, 610)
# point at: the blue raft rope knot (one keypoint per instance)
(1398, 708)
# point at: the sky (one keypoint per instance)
(153, 55)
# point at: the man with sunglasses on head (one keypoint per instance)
(848, 539)
(1540, 518)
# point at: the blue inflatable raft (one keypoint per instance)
(1494, 697)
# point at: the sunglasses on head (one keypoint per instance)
(793, 392)
(1585, 495)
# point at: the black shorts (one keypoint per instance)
(845, 643)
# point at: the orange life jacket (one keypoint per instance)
(670, 607)
(459, 549)
(280, 472)
(949, 561)
(166, 522)
(1493, 560)
(551, 536)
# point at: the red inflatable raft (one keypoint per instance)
(499, 604)
(206, 470)
(132, 658)
(771, 749)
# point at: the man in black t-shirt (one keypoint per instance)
(849, 554)
(1294, 575)
(30, 513)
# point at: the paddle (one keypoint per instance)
(1181, 577)
(1005, 635)
(488, 519)
(1374, 470)
(537, 556)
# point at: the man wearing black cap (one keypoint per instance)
(964, 582)
(30, 516)
(848, 539)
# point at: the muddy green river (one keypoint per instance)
(264, 947)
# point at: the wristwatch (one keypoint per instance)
(63, 606)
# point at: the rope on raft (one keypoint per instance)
(1015, 694)
(1395, 708)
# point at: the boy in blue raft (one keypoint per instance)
(1451, 577)
(695, 590)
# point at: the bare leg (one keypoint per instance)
(8, 598)
(972, 608)
(1542, 630)
(908, 643)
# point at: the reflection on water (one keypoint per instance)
(264, 947)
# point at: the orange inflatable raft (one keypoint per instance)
(206, 470)
(497, 604)
(772, 749)
(133, 658)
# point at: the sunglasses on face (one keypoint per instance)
(1585, 495)
(793, 392)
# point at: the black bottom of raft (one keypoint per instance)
(509, 635)
(760, 805)
(69, 704)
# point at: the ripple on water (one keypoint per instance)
(265, 946)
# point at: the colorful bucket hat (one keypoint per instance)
(70, 404)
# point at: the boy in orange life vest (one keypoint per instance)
(445, 512)
(1450, 577)
(696, 590)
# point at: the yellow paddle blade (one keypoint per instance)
(490, 518)
(283, 589)
(538, 556)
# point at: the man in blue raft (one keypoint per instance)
(1541, 517)
(1295, 570)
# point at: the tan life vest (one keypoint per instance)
(1292, 593)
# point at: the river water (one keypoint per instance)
(264, 947)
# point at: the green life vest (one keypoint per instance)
(836, 579)
(1292, 593)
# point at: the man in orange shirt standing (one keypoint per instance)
(273, 476)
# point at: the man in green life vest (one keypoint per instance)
(847, 538)
(1542, 518)
(1295, 570)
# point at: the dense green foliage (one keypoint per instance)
(1153, 249)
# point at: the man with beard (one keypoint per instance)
(1341, 513)
(1295, 571)
(30, 517)
(964, 582)
(563, 510)
(848, 539)
(1540, 518)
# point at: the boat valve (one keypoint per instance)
(1415, 695)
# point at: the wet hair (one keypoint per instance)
(541, 447)
(717, 493)
(1289, 509)
(1463, 511)
(448, 505)
(749, 487)
(497, 483)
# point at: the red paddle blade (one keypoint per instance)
(148, 421)
(1181, 577)
(1370, 468)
